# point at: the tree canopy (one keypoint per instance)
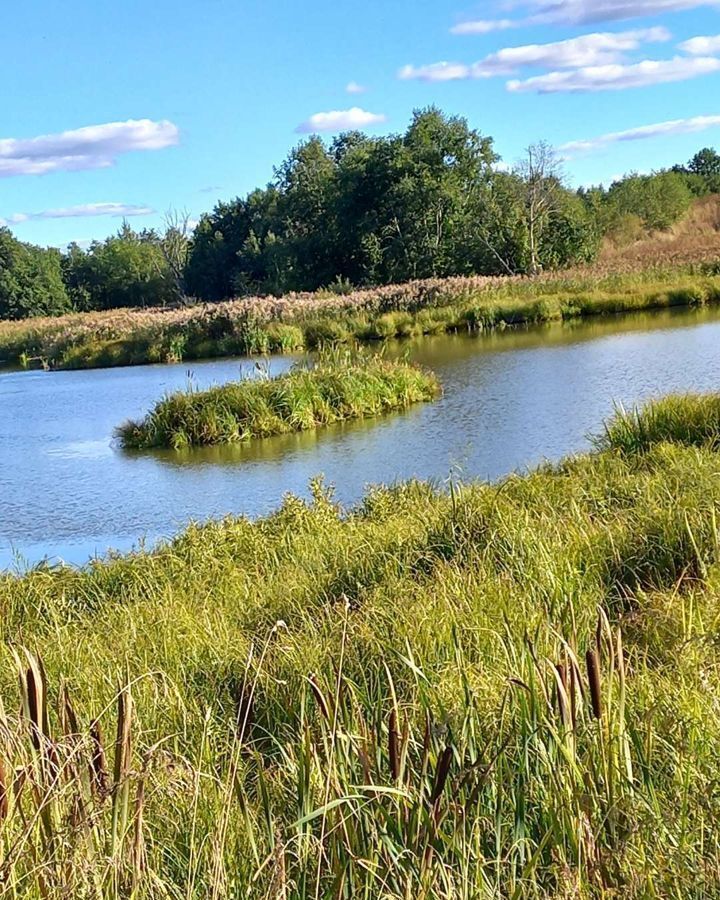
(30, 280)
(360, 210)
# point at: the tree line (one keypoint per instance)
(356, 212)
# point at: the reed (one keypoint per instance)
(335, 389)
(261, 325)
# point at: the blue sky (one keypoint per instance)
(133, 108)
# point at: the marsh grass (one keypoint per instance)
(498, 691)
(336, 388)
(258, 325)
(690, 419)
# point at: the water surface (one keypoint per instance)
(511, 400)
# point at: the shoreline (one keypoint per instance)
(262, 326)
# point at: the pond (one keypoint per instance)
(511, 400)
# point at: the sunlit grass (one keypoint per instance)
(691, 419)
(259, 325)
(334, 389)
(501, 690)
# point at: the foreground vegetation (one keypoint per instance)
(333, 390)
(309, 321)
(501, 690)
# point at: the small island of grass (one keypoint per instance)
(333, 390)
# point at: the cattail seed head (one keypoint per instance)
(393, 745)
(593, 672)
(319, 698)
(34, 706)
(98, 761)
(562, 692)
(427, 734)
(573, 695)
(441, 774)
(4, 800)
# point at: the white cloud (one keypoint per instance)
(581, 12)
(83, 210)
(618, 77)
(702, 46)
(340, 120)
(598, 49)
(644, 132)
(483, 26)
(354, 88)
(442, 71)
(91, 147)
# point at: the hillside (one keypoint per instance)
(695, 239)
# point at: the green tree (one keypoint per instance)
(370, 210)
(126, 270)
(306, 183)
(30, 280)
(442, 169)
(706, 163)
(572, 235)
(234, 249)
(659, 199)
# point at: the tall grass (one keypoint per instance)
(338, 387)
(497, 691)
(690, 419)
(262, 325)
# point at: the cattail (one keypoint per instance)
(34, 706)
(562, 692)
(67, 713)
(593, 671)
(573, 694)
(123, 740)
(98, 761)
(4, 801)
(427, 734)
(393, 748)
(121, 767)
(365, 761)
(245, 713)
(441, 774)
(404, 740)
(320, 698)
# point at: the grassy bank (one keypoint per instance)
(333, 390)
(693, 420)
(502, 690)
(269, 325)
